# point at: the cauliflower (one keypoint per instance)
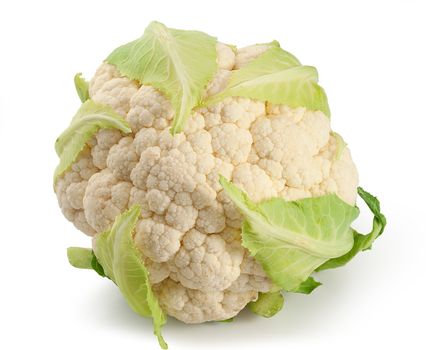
(215, 197)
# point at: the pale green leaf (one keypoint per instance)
(267, 304)
(82, 87)
(291, 239)
(84, 258)
(318, 225)
(122, 263)
(80, 258)
(179, 63)
(89, 119)
(276, 76)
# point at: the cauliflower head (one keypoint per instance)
(203, 168)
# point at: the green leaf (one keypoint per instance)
(84, 258)
(340, 145)
(318, 226)
(88, 120)
(179, 63)
(96, 266)
(277, 76)
(287, 266)
(122, 263)
(267, 304)
(361, 242)
(306, 287)
(228, 320)
(82, 87)
(291, 239)
(233, 48)
(80, 258)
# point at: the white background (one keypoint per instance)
(371, 58)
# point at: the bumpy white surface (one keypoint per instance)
(190, 231)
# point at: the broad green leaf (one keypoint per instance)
(319, 226)
(122, 263)
(267, 304)
(361, 242)
(179, 63)
(89, 119)
(277, 76)
(291, 239)
(306, 287)
(82, 87)
(80, 258)
(228, 320)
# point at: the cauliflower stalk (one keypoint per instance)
(208, 177)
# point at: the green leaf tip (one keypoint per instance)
(179, 63)
(122, 262)
(361, 242)
(267, 304)
(307, 286)
(82, 87)
(90, 117)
